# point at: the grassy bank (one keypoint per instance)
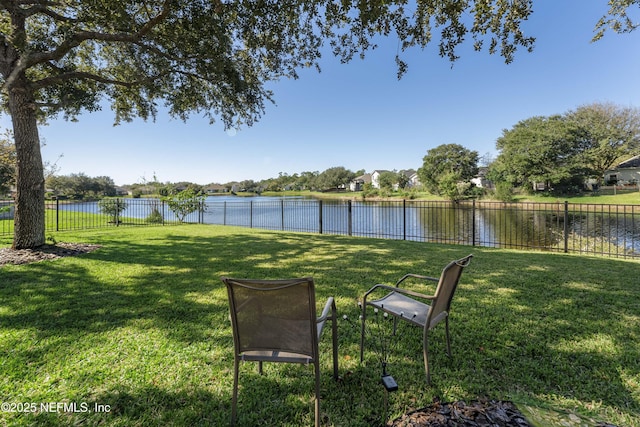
(632, 198)
(141, 327)
(610, 199)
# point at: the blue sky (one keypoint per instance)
(360, 116)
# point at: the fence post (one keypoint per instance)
(250, 213)
(224, 213)
(282, 214)
(349, 218)
(57, 214)
(404, 219)
(566, 226)
(117, 217)
(473, 223)
(320, 216)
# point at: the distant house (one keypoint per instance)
(627, 172)
(481, 180)
(410, 174)
(412, 178)
(375, 177)
(215, 188)
(357, 184)
(539, 186)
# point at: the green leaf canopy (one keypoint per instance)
(208, 57)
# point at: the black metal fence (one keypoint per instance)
(608, 230)
(612, 230)
(64, 215)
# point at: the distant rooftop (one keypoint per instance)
(633, 162)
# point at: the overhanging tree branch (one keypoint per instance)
(210, 56)
(79, 75)
(29, 60)
(43, 8)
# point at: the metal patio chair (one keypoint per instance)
(275, 321)
(425, 312)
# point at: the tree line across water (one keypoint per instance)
(558, 153)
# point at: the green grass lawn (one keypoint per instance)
(632, 198)
(141, 327)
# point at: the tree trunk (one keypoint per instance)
(29, 213)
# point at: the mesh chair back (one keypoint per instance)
(446, 288)
(276, 316)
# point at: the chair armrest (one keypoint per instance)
(396, 289)
(416, 276)
(330, 306)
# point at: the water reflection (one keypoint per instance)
(583, 228)
(510, 227)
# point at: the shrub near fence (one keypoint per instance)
(64, 215)
(609, 230)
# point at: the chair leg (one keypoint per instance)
(425, 351)
(234, 399)
(335, 345)
(317, 402)
(364, 317)
(446, 324)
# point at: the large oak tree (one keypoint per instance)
(538, 150)
(607, 134)
(563, 151)
(61, 58)
(447, 165)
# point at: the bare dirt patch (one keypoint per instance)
(44, 252)
(473, 414)
(482, 413)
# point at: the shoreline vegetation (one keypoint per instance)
(623, 198)
(628, 198)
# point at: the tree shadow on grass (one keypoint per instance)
(146, 405)
(541, 326)
(549, 327)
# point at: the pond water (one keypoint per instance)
(552, 226)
